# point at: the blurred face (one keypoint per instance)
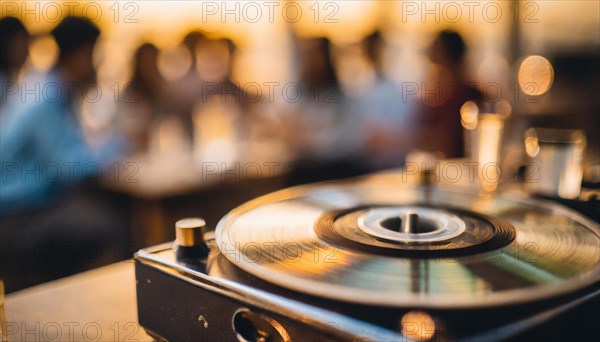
(80, 65)
(313, 61)
(148, 65)
(213, 60)
(437, 53)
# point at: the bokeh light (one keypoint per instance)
(417, 326)
(532, 146)
(468, 115)
(43, 53)
(535, 75)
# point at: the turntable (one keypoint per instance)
(376, 259)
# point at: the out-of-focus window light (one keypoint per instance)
(493, 75)
(43, 53)
(550, 25)
(342, 21)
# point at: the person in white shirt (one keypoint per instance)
(385, 113)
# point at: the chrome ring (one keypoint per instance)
(446, 225)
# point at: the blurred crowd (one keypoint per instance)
(327, 131)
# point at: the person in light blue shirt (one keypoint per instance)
(42, 148)
(50, 226)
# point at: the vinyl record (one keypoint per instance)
(406, 245)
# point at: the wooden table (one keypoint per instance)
(207, 189)
(97, 305)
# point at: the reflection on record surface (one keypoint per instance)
(538, 250)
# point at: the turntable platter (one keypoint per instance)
(406, 245)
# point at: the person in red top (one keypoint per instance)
(438, 123)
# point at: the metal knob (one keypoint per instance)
(189, 232)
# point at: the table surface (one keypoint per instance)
(156, 176)
(98, 305)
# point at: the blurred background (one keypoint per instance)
(116, 125)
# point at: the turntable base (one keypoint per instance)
(376, 261)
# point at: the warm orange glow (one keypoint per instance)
(532, 146)
(418, 326)
(342, 21)
(490, 139)
(169, 138)
(468, 115)
(503, 108)
(43, 53)
(535, 75)
(174, 63)
(215, 132)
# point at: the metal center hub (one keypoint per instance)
(411, 224)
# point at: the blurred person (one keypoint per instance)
(143, 99)
(223, 114)
(215, 64)
(209, 80)
(385, 112)
(323, 133)
(14, 50)
(438, 121)
(193, 41)
(49, 226)
(186, 90)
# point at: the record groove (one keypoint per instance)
(526, 250)
(499, 233)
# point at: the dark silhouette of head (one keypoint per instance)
(76, 38)
(193, 41)
(146, 77)
(373, 48)
(448, 49)
(316, 65)
(14, 41)
(232, 47)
